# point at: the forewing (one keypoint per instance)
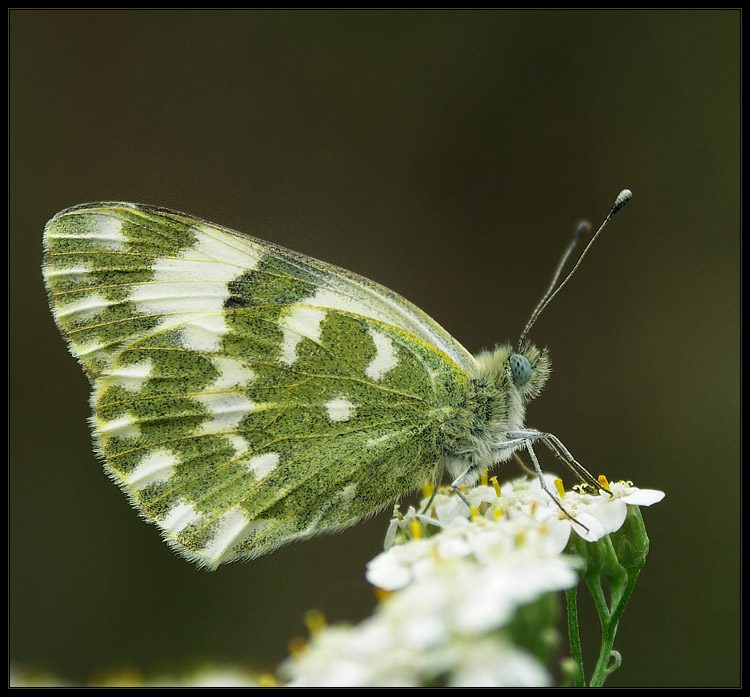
(238, 399)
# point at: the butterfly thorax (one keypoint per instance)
(495, 404)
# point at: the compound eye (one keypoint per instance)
(520, 369)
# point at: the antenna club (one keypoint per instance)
(622, 198)
(554, 288)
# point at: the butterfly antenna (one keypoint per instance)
(584, 226)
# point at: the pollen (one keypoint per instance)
(603, 481)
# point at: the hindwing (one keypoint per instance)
(245, 395)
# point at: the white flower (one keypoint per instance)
(634, 496)
(602, 513)
(457, 577)
(502, 531)
(376, 653)
(490, 663)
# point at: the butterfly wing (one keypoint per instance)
(245, 395)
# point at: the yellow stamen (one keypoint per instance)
(415, 528)
(427, 490)
(483, 477)
(495, 486)
(603, 481)
(497, 513)
(475, 512)
(559, 486)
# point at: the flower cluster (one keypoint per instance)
(455, 577)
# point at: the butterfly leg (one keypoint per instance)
(565, 456)
(471, 469)
(561, 453)
(460, 494)
(467, 474)
(462, 478)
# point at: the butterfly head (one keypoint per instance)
(529, 370)
(525, 369)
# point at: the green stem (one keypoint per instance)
(597, 593)
(609, 621)
(574, 636)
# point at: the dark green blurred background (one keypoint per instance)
(447, 155)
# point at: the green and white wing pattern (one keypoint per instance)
(245, 395)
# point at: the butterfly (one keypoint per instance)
(245, 395)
